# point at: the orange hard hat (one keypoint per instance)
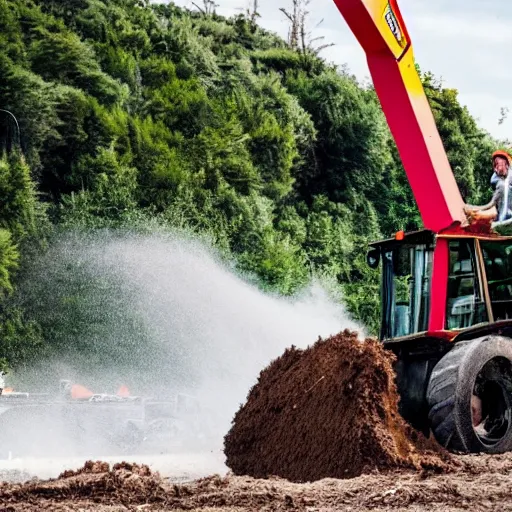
(503, 154)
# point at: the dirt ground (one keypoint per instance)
(478, 483)
(320, 432)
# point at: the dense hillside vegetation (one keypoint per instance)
(131, 112)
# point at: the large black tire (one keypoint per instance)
(481, 367)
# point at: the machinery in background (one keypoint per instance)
(75, 421)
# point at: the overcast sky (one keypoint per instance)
(466, 43)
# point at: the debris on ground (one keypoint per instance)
(320, 431)
(124, 483)
(329, 411)
(480, 483)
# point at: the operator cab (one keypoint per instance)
(405, 287)
(473, 279)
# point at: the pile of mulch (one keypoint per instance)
(330, 410)
(124, 483)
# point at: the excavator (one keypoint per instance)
(446, 290)
(73, 421)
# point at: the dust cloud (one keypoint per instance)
(163, 314)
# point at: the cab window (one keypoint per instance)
(406, 299)
(465, 304)
(498, 269)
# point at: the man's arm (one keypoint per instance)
(490, 204)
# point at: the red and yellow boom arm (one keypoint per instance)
(380, 30)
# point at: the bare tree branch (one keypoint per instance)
(503, 114)
(209, 7)
(299, 38)
(289, 16)
(194, 4)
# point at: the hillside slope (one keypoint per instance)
(131, 113)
